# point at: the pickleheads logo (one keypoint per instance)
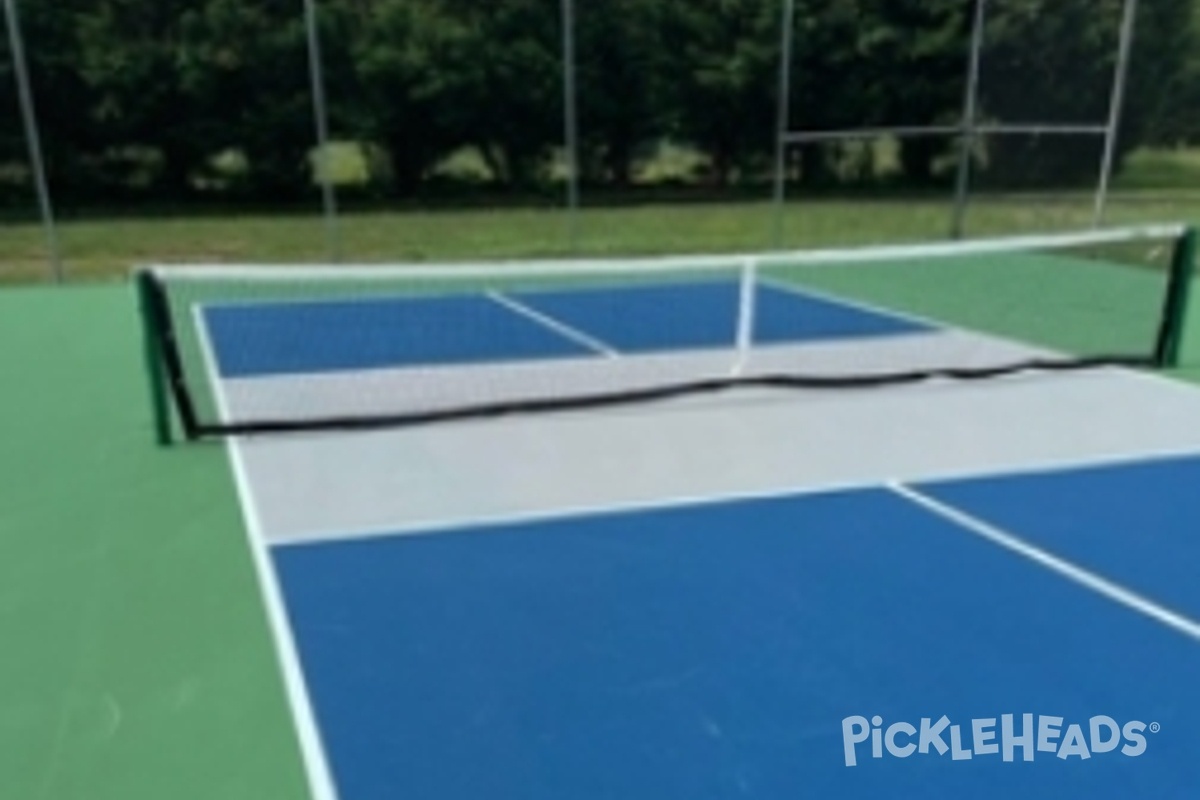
(1028, 734)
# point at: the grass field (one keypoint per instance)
(1162, 169)
(1155, 186)
(99, 248)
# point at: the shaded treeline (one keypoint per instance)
(170, 99)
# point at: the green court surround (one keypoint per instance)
(136, 661)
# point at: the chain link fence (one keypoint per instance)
(410, 129)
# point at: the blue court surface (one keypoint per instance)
(739, 649)
(1031, 633)
(377, 332)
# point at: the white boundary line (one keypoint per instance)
(316, 766)
(561, 328)
(433, 528)
(1072, 572)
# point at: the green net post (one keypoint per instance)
(152, 333)
(1183, 261)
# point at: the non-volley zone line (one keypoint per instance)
(1079, 521)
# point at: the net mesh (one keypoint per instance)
(259, 349)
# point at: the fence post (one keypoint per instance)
(969, 122)
(33, 140)
(784, 121)
(570, 123)
(1115, 109)
(316, 73)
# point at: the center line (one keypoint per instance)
(574, 334)
(1073, 572)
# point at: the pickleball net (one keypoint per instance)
(258, 349)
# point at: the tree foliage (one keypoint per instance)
(158, 97)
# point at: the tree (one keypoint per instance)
(624, 103)
(247, 72)
(1054, 61)
(499, 71)
(133, 61)
(12, 139)
(401, 98)
(176, 83)
(140, 95)
(52, 55)
(722, 78)
(920, 75)
(1163, 105)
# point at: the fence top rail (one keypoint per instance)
(915, 131)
